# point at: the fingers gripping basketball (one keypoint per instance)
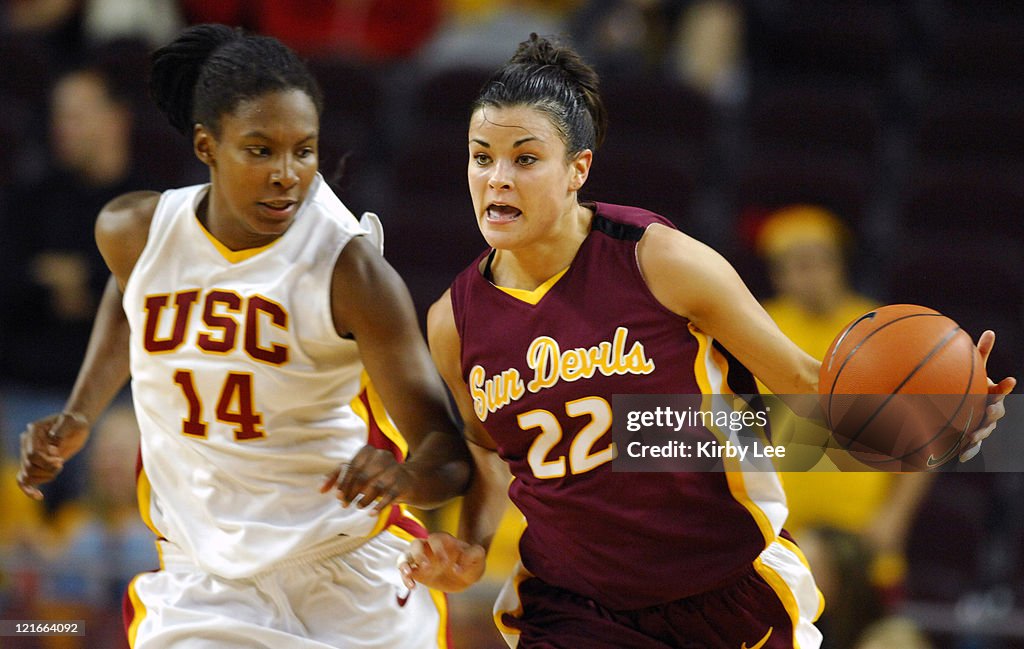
(901, 386)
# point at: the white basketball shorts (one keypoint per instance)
(351, 599)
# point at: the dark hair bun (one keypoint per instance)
(540, 51)
(175, 69)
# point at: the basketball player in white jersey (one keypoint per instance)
(250, 314)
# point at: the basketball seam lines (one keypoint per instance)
(849, 355)
(932, 462)
(938, 346)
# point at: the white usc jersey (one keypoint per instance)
(245, 394)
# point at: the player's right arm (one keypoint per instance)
(442, 561)
(122, 229)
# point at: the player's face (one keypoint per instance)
(261, 167)
(810, 273)
(84, 120)
(522, 183)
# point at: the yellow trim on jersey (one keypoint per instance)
(519, 577)
(707, 356)
(143, 492)
(718, 359)
(787, 592)
(138, 611)
(233, 256)
(360, 409)
(400, 533)
(739, 491)
(441, 603)
(381, 416)
(378, 412)
(382, 521)
(408, 514)
(700, 370)
(385, 516)
(795, 549)
(534, 296)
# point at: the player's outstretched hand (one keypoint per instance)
(443, 562)
(996, 409)
(46, 445)
(373, 477)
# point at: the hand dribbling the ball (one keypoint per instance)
(905, 388)
(995, 409)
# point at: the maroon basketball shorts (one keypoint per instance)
(751, 612)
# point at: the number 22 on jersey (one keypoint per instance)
(582, 456)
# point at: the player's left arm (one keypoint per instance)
(371, 302)
(696, 282)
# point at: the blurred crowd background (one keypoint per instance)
(840, 153)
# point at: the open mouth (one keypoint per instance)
(279, 207)
(502, 213)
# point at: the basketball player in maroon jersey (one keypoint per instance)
(573, 303)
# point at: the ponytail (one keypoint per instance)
(553, 78)
(175, 69)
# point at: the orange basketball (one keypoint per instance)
(901, 386)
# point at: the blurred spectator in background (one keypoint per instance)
(706, 51)
(626, 36)
(368, 30)
(699, 42)
(805, 248)
(152, 21)
(20, 523)
(54, 274)
(66, 28)
(54, 25)
(475, 33)
(78, 564)
(38, 15)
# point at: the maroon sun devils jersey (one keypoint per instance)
(542, 376)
